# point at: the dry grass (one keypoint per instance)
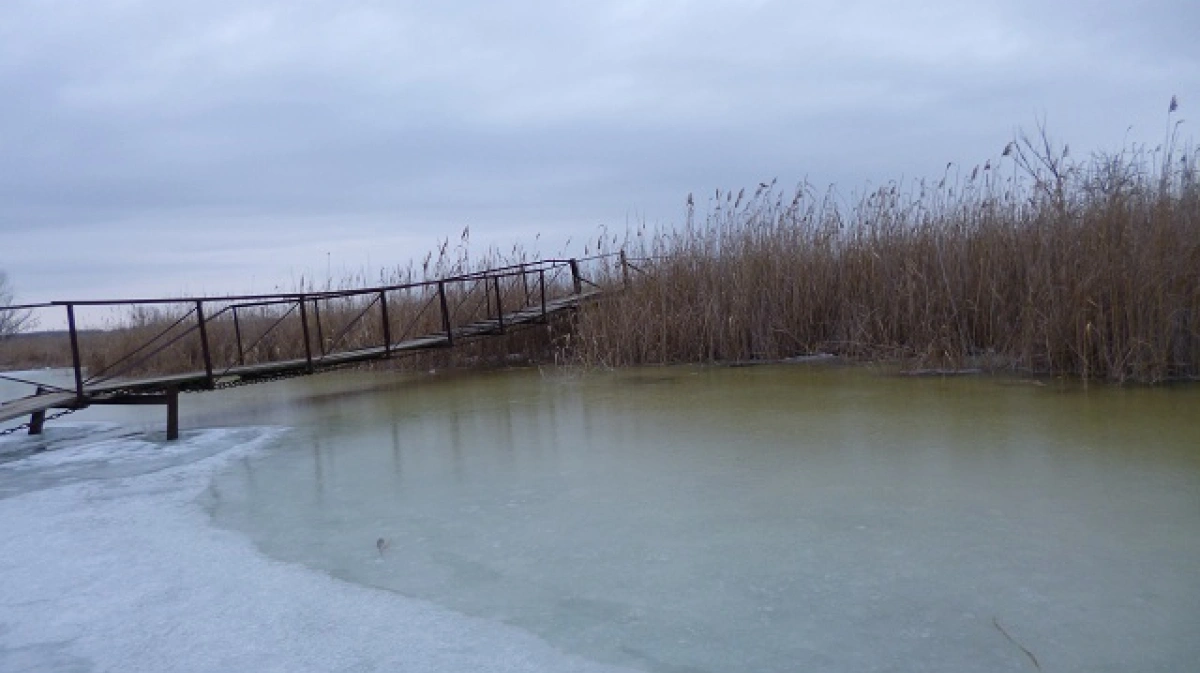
(1035, 263)
(35, 350)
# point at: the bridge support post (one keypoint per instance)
(445, 313)
(576, 280)
(172, 399)
(169, 396)
(37, 420)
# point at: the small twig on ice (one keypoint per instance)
(996, 623)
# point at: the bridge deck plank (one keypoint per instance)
(28, 405)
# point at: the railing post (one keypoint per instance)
(320, 330)
(576, 281)
(75, 353)
(499, 306)
(445, 313)
(387, 325)
(304, 326)
(624, 269)
(525, 285)
(208, 368)
(542, 282)
(237, 333)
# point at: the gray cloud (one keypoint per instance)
(148, 146)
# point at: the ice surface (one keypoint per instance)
(69, 453)
(110, 565)
(757, 519)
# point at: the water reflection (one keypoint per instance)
(397, 457)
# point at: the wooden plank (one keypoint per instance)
(181, 380)
(26, 406)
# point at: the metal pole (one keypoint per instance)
(172, 396)
(387, 325)
(75, 353)
(575, 280)
(208, 368)
(499, 306)
(320, 330)
(237, 332)
(38, 419)
(304, 324)
(445, 313)
(542, 280)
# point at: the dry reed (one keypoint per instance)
(1035, 263)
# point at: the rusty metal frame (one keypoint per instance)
(494, 284)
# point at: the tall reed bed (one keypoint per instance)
(1034, 262)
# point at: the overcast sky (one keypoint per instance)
(157, 147)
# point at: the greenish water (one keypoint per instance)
(800, 518)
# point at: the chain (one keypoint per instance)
(238, 383)
(26, 426)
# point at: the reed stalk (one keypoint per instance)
(1034, 262)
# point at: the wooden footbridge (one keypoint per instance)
(168, 346)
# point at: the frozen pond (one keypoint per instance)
(757, 519)
(765, 519)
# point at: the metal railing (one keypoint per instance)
(226, 335)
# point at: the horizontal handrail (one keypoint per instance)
(284, 297)
(281, 297)
(26, 307)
